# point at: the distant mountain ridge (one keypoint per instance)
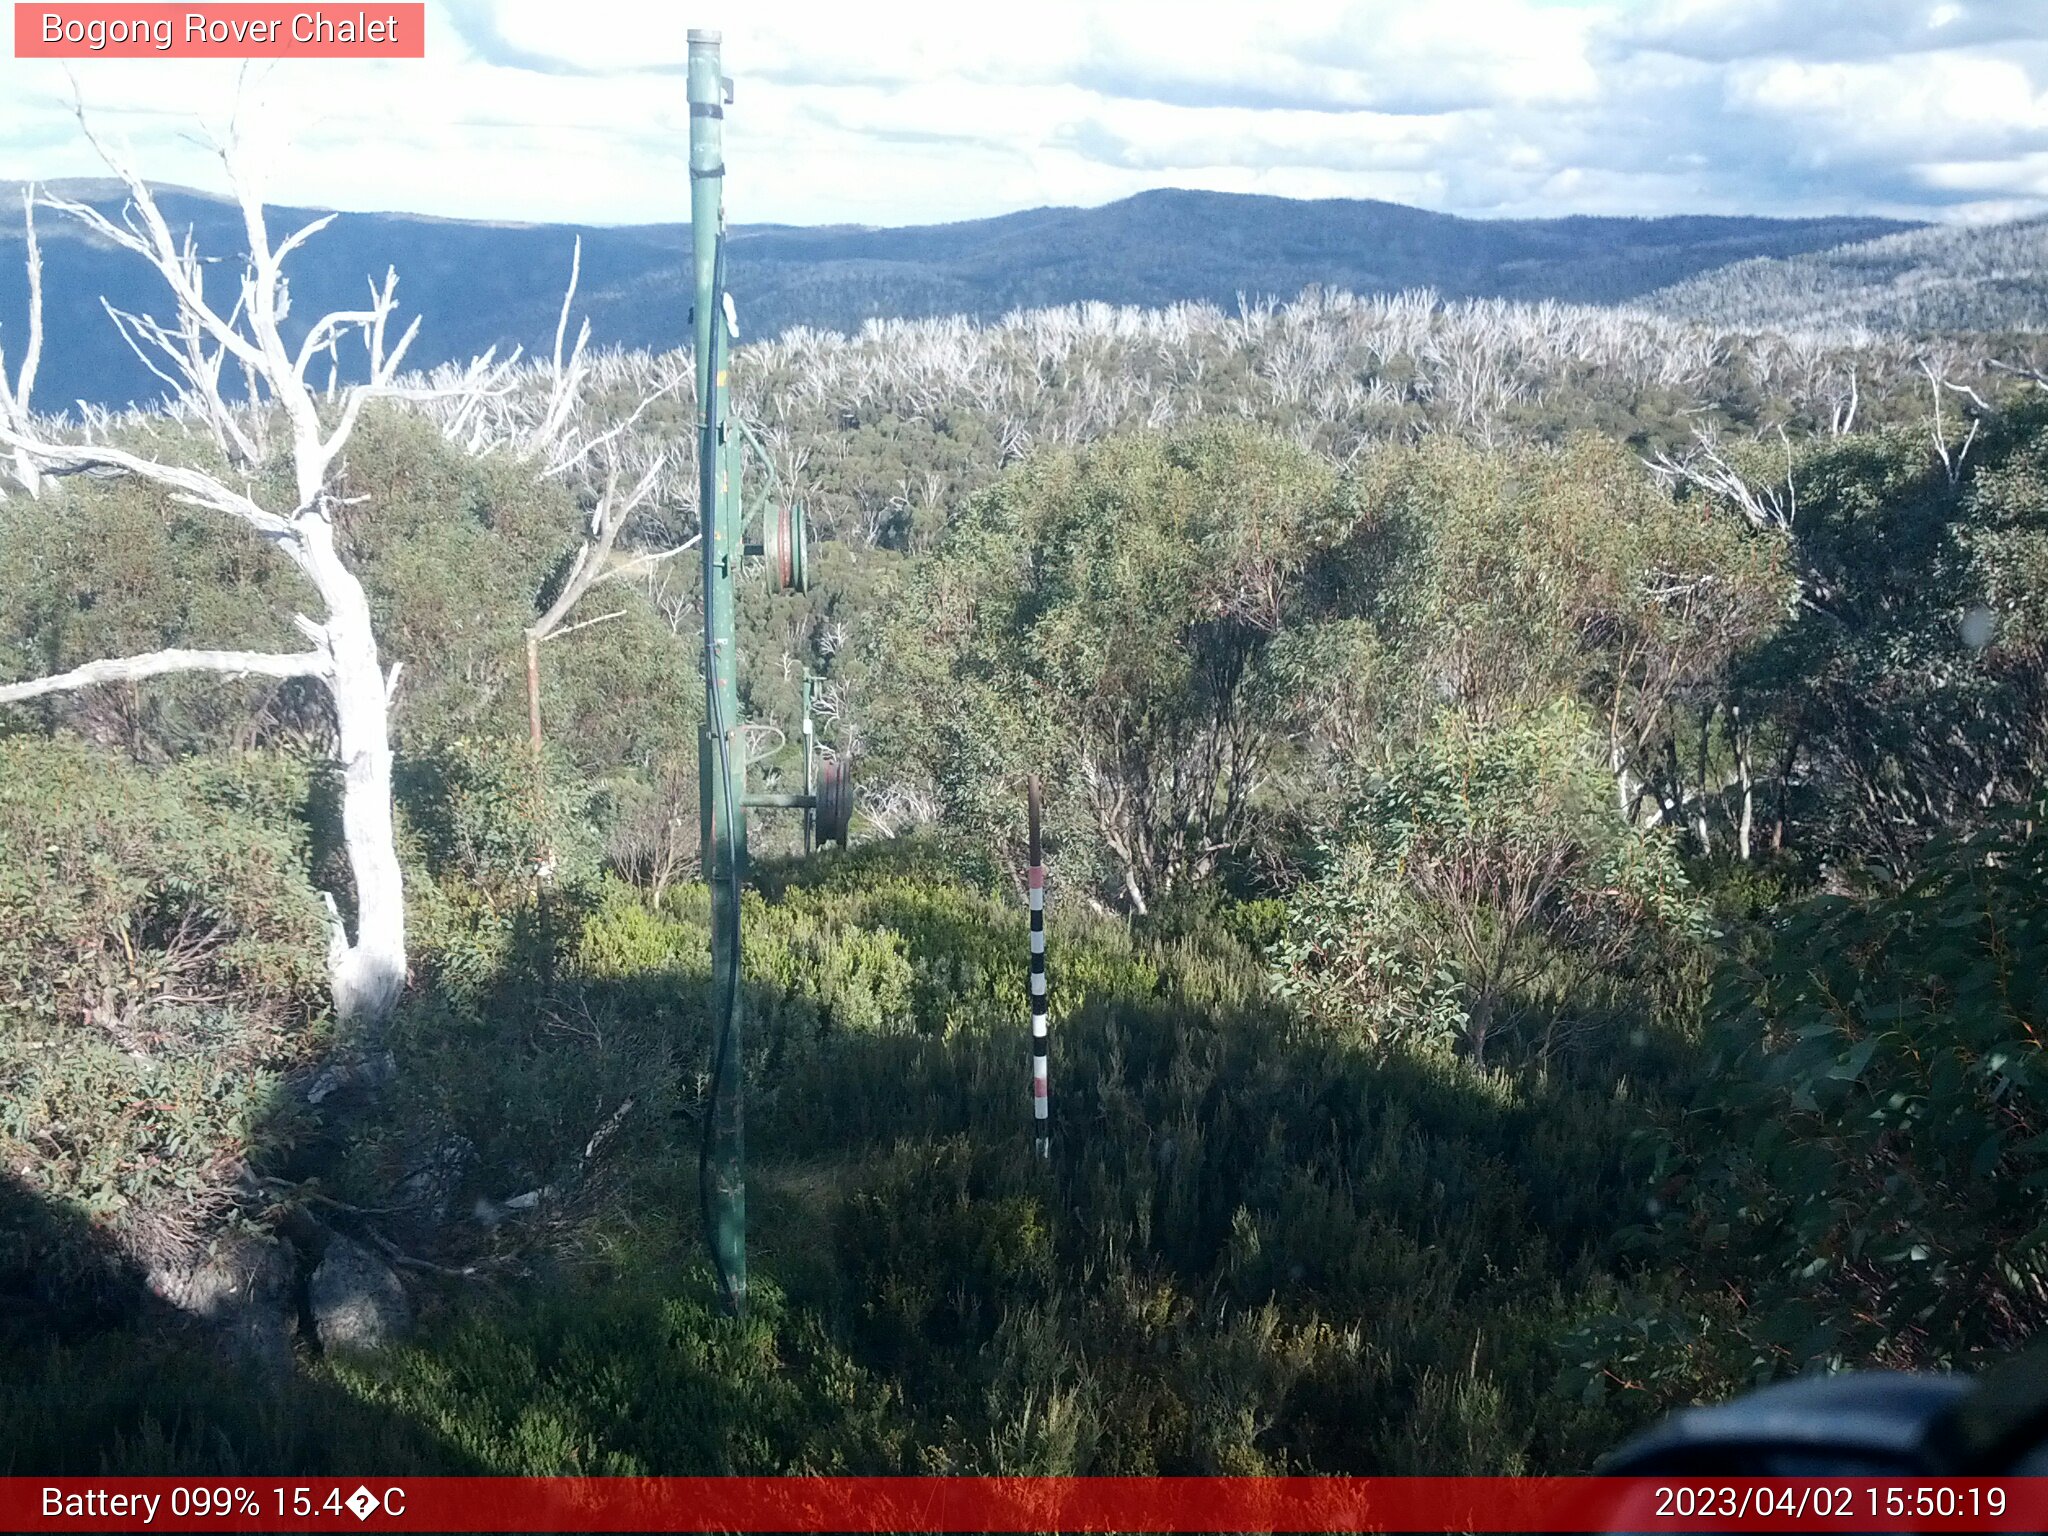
(478, 284)
(1939, 278)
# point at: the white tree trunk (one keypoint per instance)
(14, 397)
(1745, 827)
(369, 973)
(367, 970)
(1628, 790)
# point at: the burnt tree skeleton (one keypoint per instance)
(366, 968)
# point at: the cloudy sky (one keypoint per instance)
(914, 111)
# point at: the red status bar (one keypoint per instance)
(1023, 1504)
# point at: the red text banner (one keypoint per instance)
(969, 1504)
(220, 31)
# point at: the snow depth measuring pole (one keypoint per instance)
(1034, 894)
(722, 800)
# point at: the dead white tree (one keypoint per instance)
(366, 970)
(1706, 467)
(899, 807)
(557, 439)
(1842, 394)
(594, 563)
(2020, 370)
(14, 398)
(567, 377)
(1935, 370)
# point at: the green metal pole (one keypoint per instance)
(721, 1170)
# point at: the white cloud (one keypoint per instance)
(1730, 31)
(921, 110)
(1893, 108)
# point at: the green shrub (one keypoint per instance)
(125, 569)
(498, 854)
(1857, 1182)
(482, 813)
(139, 1401)
(638, 1373)
(1486, 887)
(160, 963)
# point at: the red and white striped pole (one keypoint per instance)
(1035, 894)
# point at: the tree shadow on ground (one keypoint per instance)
(921, 1276)
(106, 1379)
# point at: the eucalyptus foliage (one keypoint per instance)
(1485, 888)
(1105, 617)
(1870, 1144)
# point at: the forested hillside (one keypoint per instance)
(1987, 278)
(500, 285)
(1544, 827)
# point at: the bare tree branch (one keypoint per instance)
(129, 669)
(1705, 467)
(32, 356)
(2036, 375)
(653, 557)
(562, 465)
(569, 298)
(607, 520)
(570, 629)
(151, 239)
(589, 567)
(1935, 369)
(193, 487)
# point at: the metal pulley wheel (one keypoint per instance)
(835, 802)
(783, 535)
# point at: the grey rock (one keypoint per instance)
(242, 1289)
(356, 1300)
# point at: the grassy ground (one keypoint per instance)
(1256, 1247)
